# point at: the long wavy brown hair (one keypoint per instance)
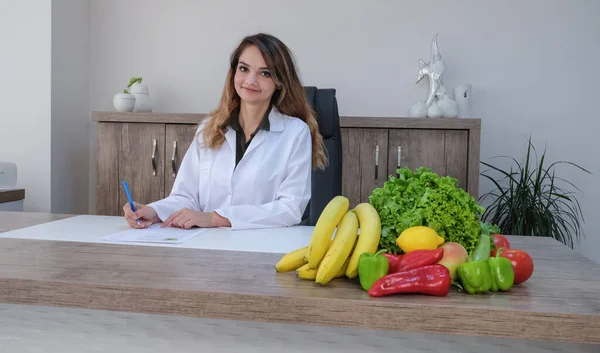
(289, 97)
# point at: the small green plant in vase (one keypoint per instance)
(132, 81)
(143, 102)
(126, 101)
(529, 199)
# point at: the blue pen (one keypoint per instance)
(130, 200)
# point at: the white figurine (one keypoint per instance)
(418, 110)
(434, 69)
(438, 103)
(435, 111)
(448, 106)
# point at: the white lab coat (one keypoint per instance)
(270, 187)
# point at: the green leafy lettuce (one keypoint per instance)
(424, 198)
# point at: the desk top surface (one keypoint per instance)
(560, 302)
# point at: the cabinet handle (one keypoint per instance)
(399, 159)
(173, 159)
(154, 157)
(376, 162)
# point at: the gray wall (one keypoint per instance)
(25, 96)
(70, 107)
(533, 64)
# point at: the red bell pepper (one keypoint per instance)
(414, 259)
(394, 261)
(420, 258)
(431, 280)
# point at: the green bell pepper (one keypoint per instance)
(372, 267)
(502, 273)
(475, 276)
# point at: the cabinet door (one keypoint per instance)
(365, 161)
(444, 151)
(178, 139)
(419, 148)
(351, 176)
(107, 161)
(142, 162)
(456, 155)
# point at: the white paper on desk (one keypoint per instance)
(155, 234)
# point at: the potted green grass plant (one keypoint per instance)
(528, 198)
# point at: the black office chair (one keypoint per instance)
(327, 183)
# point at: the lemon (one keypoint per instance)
(419, 238)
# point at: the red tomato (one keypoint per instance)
(501, 242)
(522, 263)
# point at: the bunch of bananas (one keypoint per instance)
(325, 258)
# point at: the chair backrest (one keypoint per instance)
(327, 183)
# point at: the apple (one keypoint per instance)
(454, 255)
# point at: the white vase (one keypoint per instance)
(462, 96)
(124, 102)
(143, 103)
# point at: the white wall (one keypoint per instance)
(44, 95)
(70, 106)
(25, 44)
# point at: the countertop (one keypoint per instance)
(17, 220)
(559, 303)
(345, 121)
(9, 195)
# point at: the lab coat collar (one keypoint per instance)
(276, 119)
(276, 125)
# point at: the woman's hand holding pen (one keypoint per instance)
(186, 219)
(146, 215)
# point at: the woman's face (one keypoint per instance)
(252, 80)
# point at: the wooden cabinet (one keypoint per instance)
(141, 161)
(374, 148)
(107, 168)
(178, 139)
(146, 150)
(364, 161)
(12, 200)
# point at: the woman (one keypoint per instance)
(251, 161)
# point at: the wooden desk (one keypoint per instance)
(8, 195)
(17, 220)
(559, 304)
(11, 199)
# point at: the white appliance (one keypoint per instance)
(8, 180)
(8, 175)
